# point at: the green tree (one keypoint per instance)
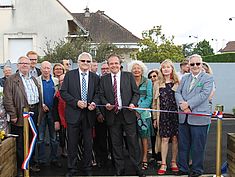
(104, 50)
(203, 48)
(187, 49)
(155, 47)
(70, 49)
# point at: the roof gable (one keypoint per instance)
(102, 28)
(230, 47)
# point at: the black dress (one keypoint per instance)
(168, 122)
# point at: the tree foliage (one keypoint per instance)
(155, 47)
(104, 50)
(70, 49)
(203, 48)
(187, 49)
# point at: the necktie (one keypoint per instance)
(84, 90)
(192, 84)
(115, 94)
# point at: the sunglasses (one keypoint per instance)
(193, 64)
(87, 61)
(150, 77)
(67, 64)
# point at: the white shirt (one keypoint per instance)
(86, 78)
(118, 78)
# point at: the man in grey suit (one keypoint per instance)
(192, 96)
(119, 89)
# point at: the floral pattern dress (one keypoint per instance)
(168, 122)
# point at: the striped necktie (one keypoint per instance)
(115, 94)
(84, 89)
(192, 84)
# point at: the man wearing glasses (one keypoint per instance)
(22, 91)
(66, 64)
(192, 96)
(80, 92)
(33, 57)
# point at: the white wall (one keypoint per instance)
(41, 20)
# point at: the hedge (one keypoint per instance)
(223, 58)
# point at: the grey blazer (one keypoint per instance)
(197, 98)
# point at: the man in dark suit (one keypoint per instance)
(80, 92)
(119, 89)
(192, 95)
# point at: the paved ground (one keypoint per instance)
(210, 158)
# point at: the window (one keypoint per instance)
(6, 3)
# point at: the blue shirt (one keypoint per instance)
(48, 92)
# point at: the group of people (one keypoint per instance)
(98, 114)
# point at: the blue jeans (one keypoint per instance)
(47, 120)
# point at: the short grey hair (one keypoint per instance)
(195, 56)
(137, 62)
(18, 61)
(6, 66)
(84, 53)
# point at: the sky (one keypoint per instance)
(200, 19)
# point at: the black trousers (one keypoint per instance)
(116, 131)
(82, 129)
(101, 142)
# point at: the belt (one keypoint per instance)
(32, 106)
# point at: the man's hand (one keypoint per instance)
(57, 125)
(187, 110)
(14, 120)
(82, 104)
(100, 118)
(45, 108)
(183, 105)
(109, 106)
(91, 106)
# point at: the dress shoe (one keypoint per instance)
(181, 173)
(56, 164)
(120, 173)
(193, 174)
(34, 168)
(140, 173)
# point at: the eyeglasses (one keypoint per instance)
(67, 64)
(150, 77)
(87, 61)
(104, 68)
(24, 63)
(193, 64)
(33, 59)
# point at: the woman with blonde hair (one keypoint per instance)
(144, 121)
(164, 99)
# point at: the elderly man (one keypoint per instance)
(21, 90)
(33, 57)
(80, 92)
(192, 96)
(49, 86)
(7, 71)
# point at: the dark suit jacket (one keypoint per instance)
(71, 93)
(129, 94)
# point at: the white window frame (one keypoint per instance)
(18, 35)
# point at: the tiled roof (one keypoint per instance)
(104, 29)
(230, 47)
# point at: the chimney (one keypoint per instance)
(87, 12)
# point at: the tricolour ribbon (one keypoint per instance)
(25, 164)
(217, 114)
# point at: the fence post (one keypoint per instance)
(219, 142)
(26, 140)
